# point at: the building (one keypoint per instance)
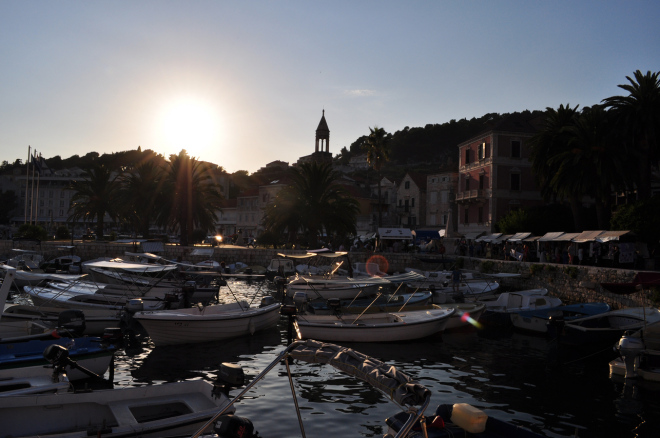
(440, 196)
(495, 175)
(248, 213)
(411, 201)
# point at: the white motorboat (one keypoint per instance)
(373, 327)
(95, 320)
(536, 321)
(43, 384)
(341, 288)
(169, 409)
(499, 310)
(208, 323)
(63, 298)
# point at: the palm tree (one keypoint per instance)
(553, 141)
(312, 203)
(94, 197)
(191, 198)
(639, 118)
(141, 195)
(378, 153)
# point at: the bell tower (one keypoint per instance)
(322, 135)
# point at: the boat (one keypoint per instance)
(208, 323)
(380, 303)
(536, 321)
(460, 420)
(341, 288)
(280, 266)
(466, 315)
(368, 269)
(167, 409)
(373, 327)
(396, 386)
(499, 311)
(603, 329)
(28, 358)
(95, 320)
(42, 384)
(639, 355)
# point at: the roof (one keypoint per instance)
(587, 236)
(519, 236)
(547, 237)
(323, 125)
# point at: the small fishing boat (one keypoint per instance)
(43, 384)
(27, 358)
(208, 323)
(604, 329)
(373, 327)
(168, 409)
(280, 266)
(380, 303)
(536, 321)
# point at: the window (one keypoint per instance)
(481, 151)
(482, 179)
(412, 202)
(444, 219)
(515, 149)
(444, 196)
(515, 181)
(466, 219)
(467, 183)
(487, 150)
(407, 185)
(480, 218)
(432, 219)
(434, 180)
(467, 156)
(433, 197)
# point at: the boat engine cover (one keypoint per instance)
(232, 426)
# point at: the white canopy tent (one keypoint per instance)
(395, 233)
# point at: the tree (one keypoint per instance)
(191, 197)
(141, 196)
(94, 197)
(639, 119)
(378, 153)
(551, 142)
(312, 203)
(9, 202)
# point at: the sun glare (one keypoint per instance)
(191, 125)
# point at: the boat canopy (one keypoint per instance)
(398, 386)
(109, 264)
(395, 233)
(587, 236)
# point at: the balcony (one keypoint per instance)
(473, 195)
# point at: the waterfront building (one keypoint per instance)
(440, 198)
(411, 201)
(495, 175)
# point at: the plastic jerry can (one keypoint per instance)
(469, 418)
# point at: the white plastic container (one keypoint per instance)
(469, 418)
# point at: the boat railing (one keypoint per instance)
(411, 396)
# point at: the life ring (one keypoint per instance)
(441, 249)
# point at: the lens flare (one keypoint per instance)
(465, 317)
(380, 261)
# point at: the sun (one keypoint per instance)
(189, 124)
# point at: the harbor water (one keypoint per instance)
(525, 379)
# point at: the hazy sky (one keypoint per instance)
(243, 83)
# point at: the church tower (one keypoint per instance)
(323, 135)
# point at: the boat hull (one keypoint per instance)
(206, 324)
(375, 327)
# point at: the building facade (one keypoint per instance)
(440, 198)
(495, 176)
(411, 201)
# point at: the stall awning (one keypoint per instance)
(395, 233)
(489, 237)
(547, 237)
(519, 236)
(502, 238)
(472, 236)
(606, 236)
(587, 236)
(532, 239)
(566, 237)
(427, 234)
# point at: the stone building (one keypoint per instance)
(322, 151)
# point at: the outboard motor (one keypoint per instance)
(230, 376)
(280, 282)
(72, 321)
(59, 357)
(300, 299)
(630, 348)
(233, 426)
(267, 301)
(113, 336)
(334, 304)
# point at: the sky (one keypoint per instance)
(244, 83)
